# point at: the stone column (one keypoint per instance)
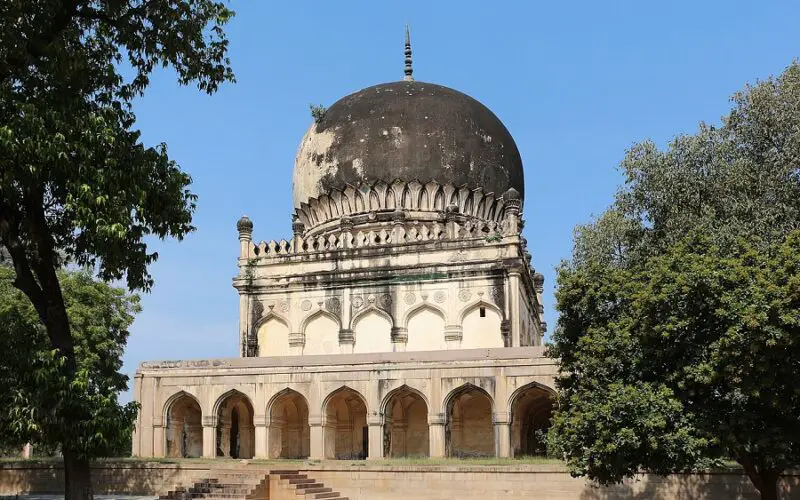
(296, 343)
(451, 227)
(158, 438)
(347, 341)
(436, 435)
(398, 232)
(317, 451)
(297, 233)
(375, 450)
(452, 336)
(399, 338)
(514, 298)
(502, 434)
(209, 437)
(261, 436)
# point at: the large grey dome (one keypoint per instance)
(407, 130)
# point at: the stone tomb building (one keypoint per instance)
(401, 318)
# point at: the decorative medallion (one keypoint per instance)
(464, 294)
(333, 305)
(439, 296)
(306, 305)
(358, 301)
(386, 301)
(284, 306)
(371, 299)
(410, 298)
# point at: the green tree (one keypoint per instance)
(35, 387)
(679, 326)
(76, 183)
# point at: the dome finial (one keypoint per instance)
(409, 70)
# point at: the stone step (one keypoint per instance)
(220, 495)
(332, 494)
(284, 471)
(288, 477)
(312, 484)
(218, 491)
(299, 480)
(309, 491)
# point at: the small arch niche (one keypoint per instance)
(373, 333)
(481, 328)
(426, 330)
(273, 338)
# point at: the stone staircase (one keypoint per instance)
(304, 486)
(225, 485)
(242, 484)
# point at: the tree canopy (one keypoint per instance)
(77, 185)
(679, 326)
(100, 315)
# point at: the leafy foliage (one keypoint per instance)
(318, 112)
(680, 309)
(35, 387)
(76, 183)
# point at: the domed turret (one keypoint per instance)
(412, 147)
(410, 131)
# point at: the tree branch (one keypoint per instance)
(24, 280)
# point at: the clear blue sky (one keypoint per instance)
(576, 83)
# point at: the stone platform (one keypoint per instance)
(386, 481)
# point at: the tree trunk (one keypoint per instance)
(77, 477)
(769, 485)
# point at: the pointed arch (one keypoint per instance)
(398, 390)
(530, 409)
(341, 389)
(314, 315)
(228, 394)
(288, 429)
(425, 325)
(405, 413)
(271, 315)
(475, 305)
(469, 428)
(360, 314)
(481, 326)
(372, 330)
(422, 305)
(183, 422)
(464, 388)
(176, 397)
(514, 397)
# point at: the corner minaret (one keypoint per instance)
(409, 69)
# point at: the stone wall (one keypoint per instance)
(390, 482)
(529, 481)
(139, 478)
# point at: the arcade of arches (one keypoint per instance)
(471, 428)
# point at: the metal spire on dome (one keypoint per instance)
(409, 70)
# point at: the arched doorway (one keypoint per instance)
(235, 429)
(345, 426)
(406, 425)
(184, 428)
(289, 434)
(531, 410)
(469, 431)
